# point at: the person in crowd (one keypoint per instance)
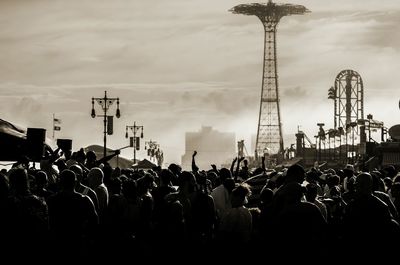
(221, 194)
(378, 189)
(396, 195)
(83, 189)
(236, 225)
(203, 214)
(311, 196)
(92, 161)
(368, 223)
(176, 170)
(41, 182)
(298, 225)
(348, 172)
(25, 216)
(95, 181)
(73, 218)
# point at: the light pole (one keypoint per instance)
(153, 149)
(347, 145)
(369, 117)
(340, 132)
(135, 128)
(316, 148)
(321, 135)
(352, 124)
(105, 104)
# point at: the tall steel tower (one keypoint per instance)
(269, 132)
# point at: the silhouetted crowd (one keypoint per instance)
(78, 207)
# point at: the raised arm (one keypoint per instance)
(106, 158)
(195, 168)
(233, 165)
(263, 163)
(237, 168)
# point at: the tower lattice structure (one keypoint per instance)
(349, 99)
(269, 133)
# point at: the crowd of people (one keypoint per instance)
(78, 206)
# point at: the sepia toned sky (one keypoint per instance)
(179, 64)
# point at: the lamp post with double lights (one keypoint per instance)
(105, 104)
(153, 150)
(152, 147)
(135, 128)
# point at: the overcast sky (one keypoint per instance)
(179, 64)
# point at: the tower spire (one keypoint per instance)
(269, 133)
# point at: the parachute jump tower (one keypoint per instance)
(269, 132)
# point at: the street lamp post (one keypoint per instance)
(369, 117)
(347, 142)
(153, 149)
(105, 104)
(321, 135)
(316, 148)
(135, 128)
(353, 125)
(340, 132)
(151, 146)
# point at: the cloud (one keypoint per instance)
(180, 64)
(295, 92)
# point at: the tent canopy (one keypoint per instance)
(116, 161)
(12, 141)
(144, 164)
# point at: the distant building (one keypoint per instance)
(213, 147)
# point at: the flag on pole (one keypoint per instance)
(56, 121)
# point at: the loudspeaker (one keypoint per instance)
(65, 144)
(35, 138)
(370, 148)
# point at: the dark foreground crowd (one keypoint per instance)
(81, 208)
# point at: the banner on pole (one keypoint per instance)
(137, 143)
(110, 125)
